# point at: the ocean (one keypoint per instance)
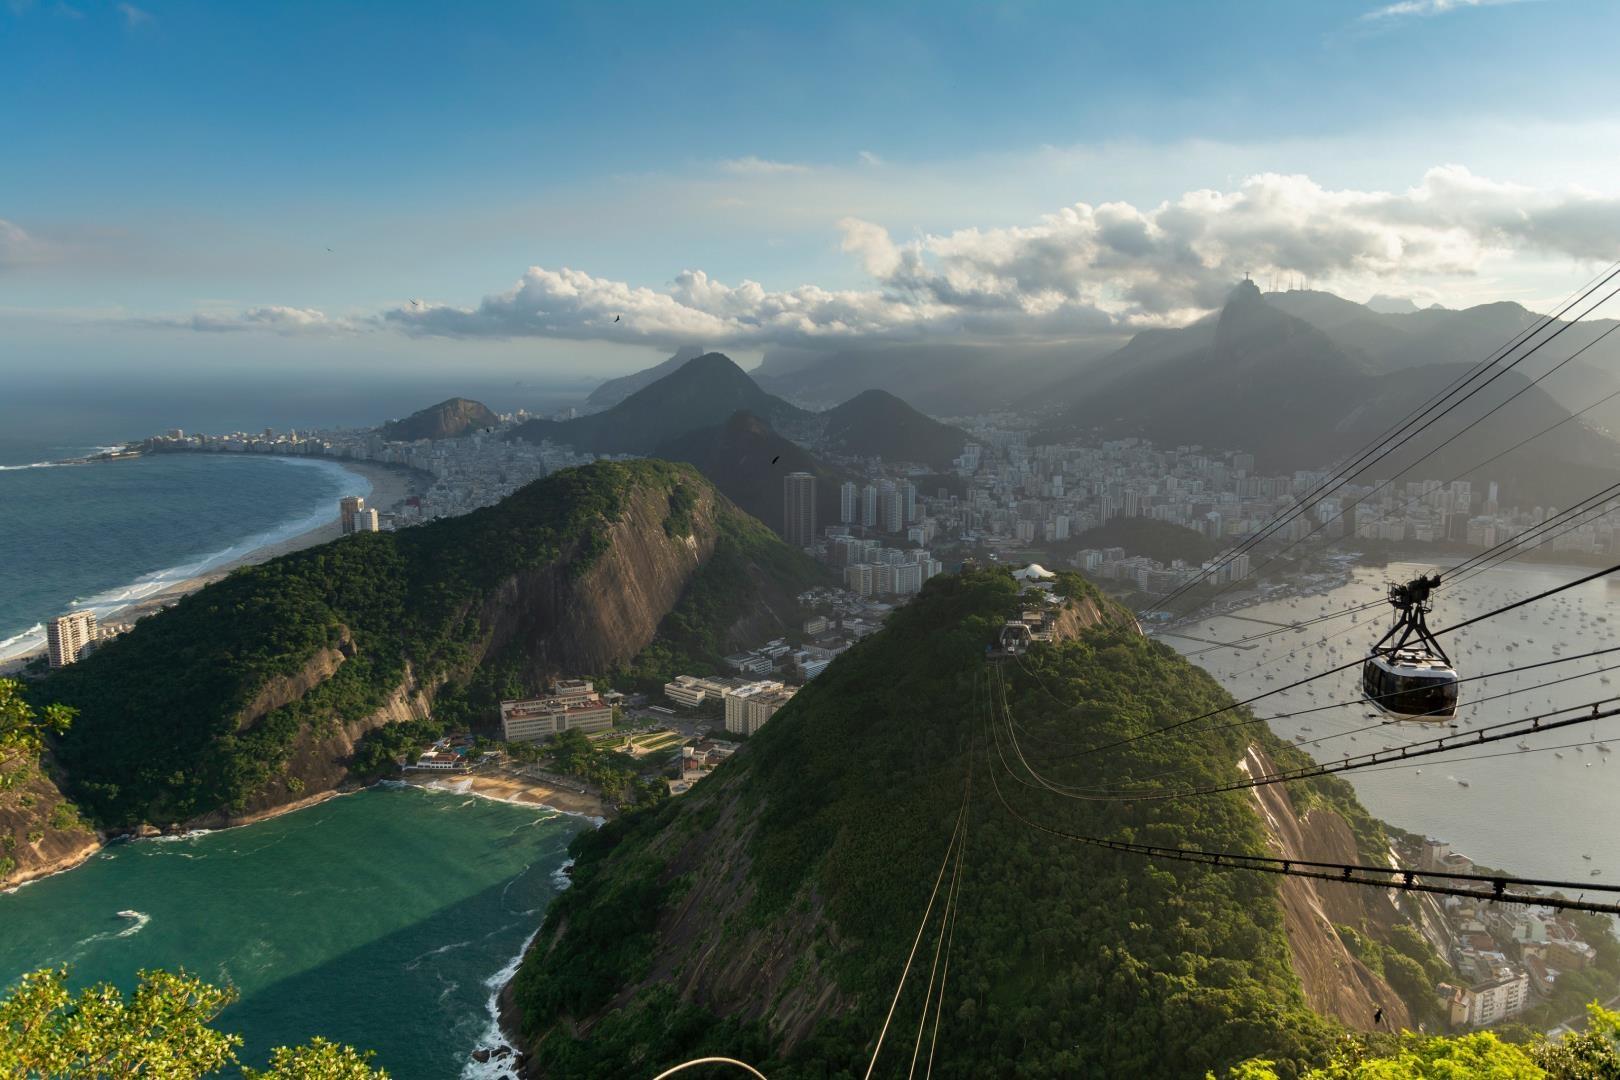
(386, 919)
(104, 534)
(1548, 810)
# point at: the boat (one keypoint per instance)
(128, 914)
(1462, 782)
(1603, 748)
(1588, 858)
(1522, 745)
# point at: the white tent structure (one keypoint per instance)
(1034, 572)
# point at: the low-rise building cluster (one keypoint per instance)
(572, 705)
(1508, 957)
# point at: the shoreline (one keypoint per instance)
(507, 786)
(390, 485)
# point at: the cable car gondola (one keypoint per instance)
(1407, 674)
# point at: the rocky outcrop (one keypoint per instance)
(1334, 981)
(570, 621)
(446, 420)
(286, 689)
(40, 830)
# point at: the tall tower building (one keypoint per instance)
(849, 499)
(869, 505)
(891, 508)
(799, 509)
(365, 520)
(349, 509)
(67, 635)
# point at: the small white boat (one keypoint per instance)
(128, 914)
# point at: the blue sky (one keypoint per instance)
(172, 174)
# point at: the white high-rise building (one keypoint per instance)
(849, 503)
(891, 507)
(67, 635)
(869, 505)
(349, 508)
(365, 520)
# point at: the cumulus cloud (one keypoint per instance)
(1080, 270)
(275, 319)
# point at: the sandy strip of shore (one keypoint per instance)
(510, 786)
(390, 486)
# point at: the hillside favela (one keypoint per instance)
(850, 541)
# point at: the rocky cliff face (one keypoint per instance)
(40, 831)
(1335, 982)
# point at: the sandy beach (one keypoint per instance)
(390, 486)
(510, 785)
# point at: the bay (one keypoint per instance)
(104, 534)
(377, 919)
(1535, 812)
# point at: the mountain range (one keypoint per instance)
(747, 460)
(701, 392)
(1299, 396)
(613, 391)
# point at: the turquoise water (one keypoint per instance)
(105, 534)
(377, 919)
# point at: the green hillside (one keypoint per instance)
(811, 855)
(172, 720)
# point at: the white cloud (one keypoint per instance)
(1080, 271)
(134, 16)
(274, 319)
(753, 166)
(1425, 8)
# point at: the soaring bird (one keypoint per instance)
(775, 459)
(616, 318)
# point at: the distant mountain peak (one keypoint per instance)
(448, 419)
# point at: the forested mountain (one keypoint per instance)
(1394, 342)
(446, 420)
(255, 691)
(768, 914)
(1262, 380)
(746, 460)
(703, 392)
(875, 423)
(613, 391)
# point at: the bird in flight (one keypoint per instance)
(616, 318)
(416, 303)
(775, 459)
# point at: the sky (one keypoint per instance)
(539, 189)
